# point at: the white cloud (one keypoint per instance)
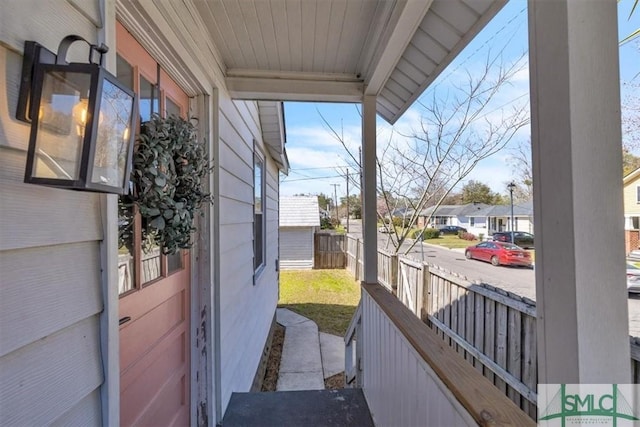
(494, 172)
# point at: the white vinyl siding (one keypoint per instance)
(246, 310)
(50, 292)
(631, 193)
(296, 248)
(390, 362)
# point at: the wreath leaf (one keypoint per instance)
(168, 170)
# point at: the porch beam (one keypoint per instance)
(293, 89)
(410, 18)
(369, 209)
(577, 174)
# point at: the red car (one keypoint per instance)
(499, 253)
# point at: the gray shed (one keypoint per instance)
(299, 218)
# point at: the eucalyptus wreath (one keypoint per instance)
(169, 165)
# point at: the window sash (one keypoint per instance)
(259, 213)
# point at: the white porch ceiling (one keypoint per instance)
(335, 50)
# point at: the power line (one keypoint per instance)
(320, 167)
(312, 178)
(479, 48)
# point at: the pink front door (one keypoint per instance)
(154, 288)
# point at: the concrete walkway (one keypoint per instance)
(308, 357)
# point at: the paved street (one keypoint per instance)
(520, 281)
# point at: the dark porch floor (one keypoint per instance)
(346, 407)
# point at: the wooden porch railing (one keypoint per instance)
(410, 376)
(494, 330)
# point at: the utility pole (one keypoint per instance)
(348, 212)
(335, 197)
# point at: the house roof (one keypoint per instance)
(299, 211)
(631, 176)
(480, 210)
(337, 50)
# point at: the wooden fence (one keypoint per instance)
(494, 330)
(329, 251)
(354, 257)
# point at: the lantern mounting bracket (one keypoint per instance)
(35, 53)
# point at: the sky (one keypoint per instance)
(318, 160)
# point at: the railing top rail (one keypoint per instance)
(410, 262)
(491, 407)
(351, 329)
(385, 253)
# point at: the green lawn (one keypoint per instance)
(450, 241)
(328, 297)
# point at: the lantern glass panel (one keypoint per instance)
(113, 137)
(62, 117)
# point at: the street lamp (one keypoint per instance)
(511, 186)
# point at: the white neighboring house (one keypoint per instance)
(480, 218)
(299, 219)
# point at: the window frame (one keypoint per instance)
(162, 88)
(638, 194)
(259, 232)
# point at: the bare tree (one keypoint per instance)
(520, 162)
(520, 158)
(457, 130)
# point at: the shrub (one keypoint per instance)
(397, 221)
(427, 233)
(326, 223)
(466, 236)
(480, 236)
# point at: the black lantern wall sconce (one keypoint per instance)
(82, 120)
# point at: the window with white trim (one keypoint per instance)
(258, 213)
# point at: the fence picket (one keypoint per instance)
(514, 362)
(462, 311)
(489, 334)
(501, 342)
(444, 304)
(529, 362)
(453, 304)
(470, 317)
(479, 325)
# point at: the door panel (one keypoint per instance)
(154, 304)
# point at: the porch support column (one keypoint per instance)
(369, 210)
(583, 334)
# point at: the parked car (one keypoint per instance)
(452, 229)
(499, 253)
(522, 239)
(384, 229)
(633, 278)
